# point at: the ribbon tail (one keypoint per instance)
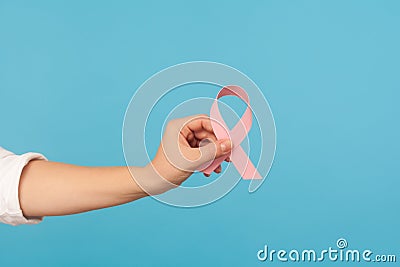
(244, 165)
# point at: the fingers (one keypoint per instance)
(191, 139)
(217, 170)
(198, 123)
(214, 149)
(200, 135)
(196, 128)
(224, 147)
(196, 144)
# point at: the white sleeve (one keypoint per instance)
(11, 167)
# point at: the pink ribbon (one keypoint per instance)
(238, 133)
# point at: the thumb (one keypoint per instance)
(211, 150)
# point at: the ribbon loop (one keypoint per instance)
(238, 133)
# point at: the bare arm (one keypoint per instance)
(50, 188)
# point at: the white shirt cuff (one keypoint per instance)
(11, 167)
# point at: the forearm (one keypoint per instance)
(50, 188)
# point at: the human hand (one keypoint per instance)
(187, 144)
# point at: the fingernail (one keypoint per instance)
(226, 146)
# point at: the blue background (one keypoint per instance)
(329, 69)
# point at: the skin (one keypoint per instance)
(51, 188)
